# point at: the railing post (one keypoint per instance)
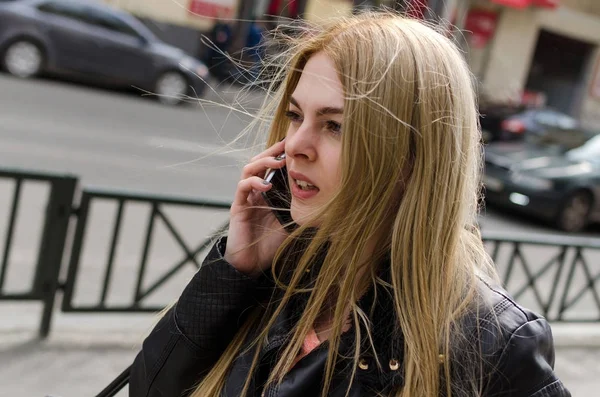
(54, 235)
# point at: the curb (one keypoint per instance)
(578, 335)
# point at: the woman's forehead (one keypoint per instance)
(319, 85)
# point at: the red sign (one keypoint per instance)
(290, 9)
(482, 25)
(545, 3)
(527, 3)
(212, 9)
(416, 9)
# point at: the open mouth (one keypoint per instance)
(303, 185)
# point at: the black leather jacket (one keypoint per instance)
(517, 349)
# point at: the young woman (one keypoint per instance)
(384, 287)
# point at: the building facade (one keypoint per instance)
(543, 53)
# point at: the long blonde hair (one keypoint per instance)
(409, 105)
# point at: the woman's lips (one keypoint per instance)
(301, 177)
(299, 192)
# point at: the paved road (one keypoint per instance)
(119, 141)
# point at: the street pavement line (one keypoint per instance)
(195, 147)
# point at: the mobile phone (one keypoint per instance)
(279, 197)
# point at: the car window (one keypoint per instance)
(565, 122)
(70, 10)
(546, 118)
(555, 119)
(109, 21)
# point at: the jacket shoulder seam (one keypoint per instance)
(505, 303)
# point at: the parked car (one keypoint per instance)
(94, 41)
(491, 117)
(542, 126)
(551, 182)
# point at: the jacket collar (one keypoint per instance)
(378, 305)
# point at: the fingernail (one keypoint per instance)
(280, 157)
(265, 182)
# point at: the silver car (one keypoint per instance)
(94, 41)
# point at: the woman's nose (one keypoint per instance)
(302, 142)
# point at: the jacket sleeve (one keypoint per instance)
(525, 364)
(190, 337)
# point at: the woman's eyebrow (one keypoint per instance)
(330, 110)
(322, 111)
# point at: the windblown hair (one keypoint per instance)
(410, 126)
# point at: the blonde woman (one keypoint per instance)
(383, 287)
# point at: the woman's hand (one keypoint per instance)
(254, 233)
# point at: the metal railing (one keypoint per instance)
(555, 271)
(155, 215)
(556, 276)
(59, 207)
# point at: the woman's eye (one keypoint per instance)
(334, 126)
(293, 116)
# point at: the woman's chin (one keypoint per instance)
(302, 216)
(297, 216)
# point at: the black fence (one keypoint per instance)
(155, 214)
(554, 275)
(59, 208)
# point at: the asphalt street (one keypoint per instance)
(120, 141)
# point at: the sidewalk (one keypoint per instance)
(85, 352)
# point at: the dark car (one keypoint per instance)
(551, 182)
(94, 41)
(540, 126)
(492, 116)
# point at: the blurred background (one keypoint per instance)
(117, 164)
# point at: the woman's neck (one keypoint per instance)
(323, 325)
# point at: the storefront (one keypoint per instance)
(538, 51)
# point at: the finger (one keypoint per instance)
(260, 166)
(273, 151)
(246, 186)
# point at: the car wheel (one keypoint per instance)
(23, 58)
(171, 88)
(573, 216)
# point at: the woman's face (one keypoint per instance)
(313, 143)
